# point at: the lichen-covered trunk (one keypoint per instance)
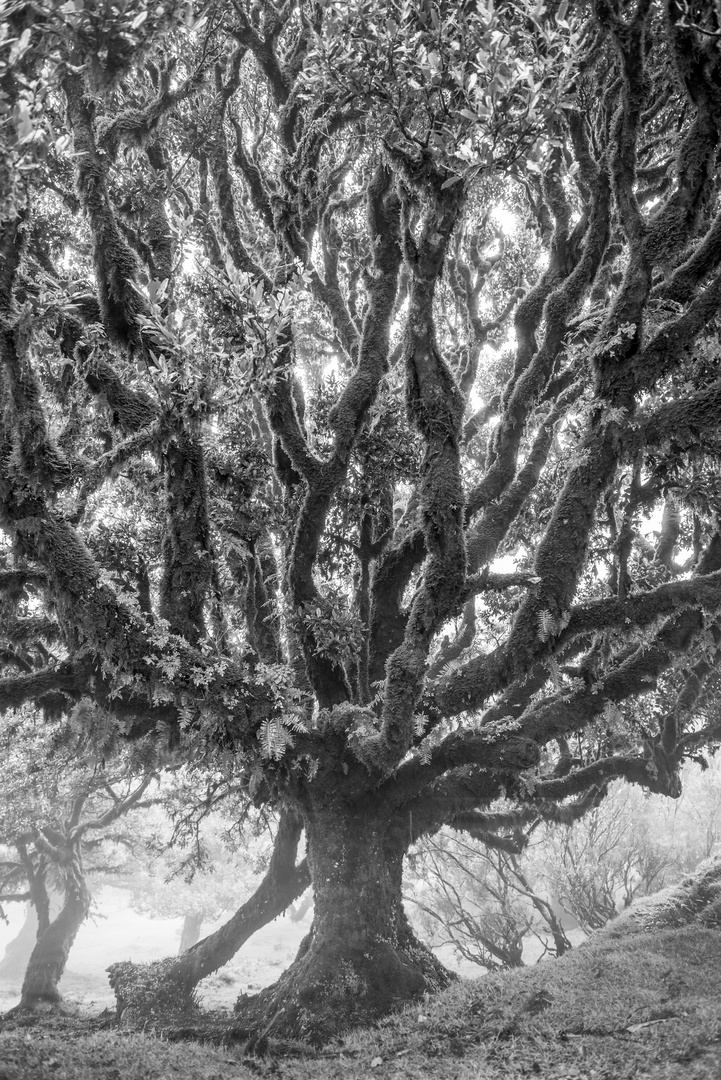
(49, 957)
(361, 958)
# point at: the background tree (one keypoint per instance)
(598, 871)
(490, 904)
(483, 902)
(196, 853)
(52, 805)
(277, 397)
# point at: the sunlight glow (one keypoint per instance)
(504, 564)
(505, 219)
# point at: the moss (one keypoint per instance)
(220, 172)
(150, 992)
(187, 558)
(36, 462)
(695, 900)
(115, 265)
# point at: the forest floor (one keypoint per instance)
(643, 1005)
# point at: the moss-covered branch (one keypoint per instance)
(116, 267)
(186, 548)
(535, 369)
(642, 609)
(485, 535)
(68, 677)
(36, 460)
(136, 127)
(218, 161)
(435, 405)
(345, 419)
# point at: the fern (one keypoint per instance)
(295, 722)
(546, 624)
(275, 734)
(273, 739)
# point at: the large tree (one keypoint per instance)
(279, 391)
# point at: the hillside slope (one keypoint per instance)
(641, 1000)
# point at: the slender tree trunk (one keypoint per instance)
(167, 985)
(49, 957)
(190, 934)
(18, 951)
(361, 958)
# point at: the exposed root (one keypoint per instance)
(329, 990)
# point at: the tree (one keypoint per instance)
(481, 901)
(278, 397)
(600, 869)
(52, 806)
(633, 844)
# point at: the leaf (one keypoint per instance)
(450, 182)
(20, 46)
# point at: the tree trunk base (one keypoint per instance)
(147, 992)
(39, 1006)
(330, 989)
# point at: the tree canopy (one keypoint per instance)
(360, 395)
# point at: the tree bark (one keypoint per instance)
(361, 958)
(49, 957)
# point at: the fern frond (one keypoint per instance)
(295, 722)
(274, 739)
(420, 722)
(546, 624)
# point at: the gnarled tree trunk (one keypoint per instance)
(361, 957)
(49, 957)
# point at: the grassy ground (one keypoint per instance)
(641, 1005)
(642, 1001)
